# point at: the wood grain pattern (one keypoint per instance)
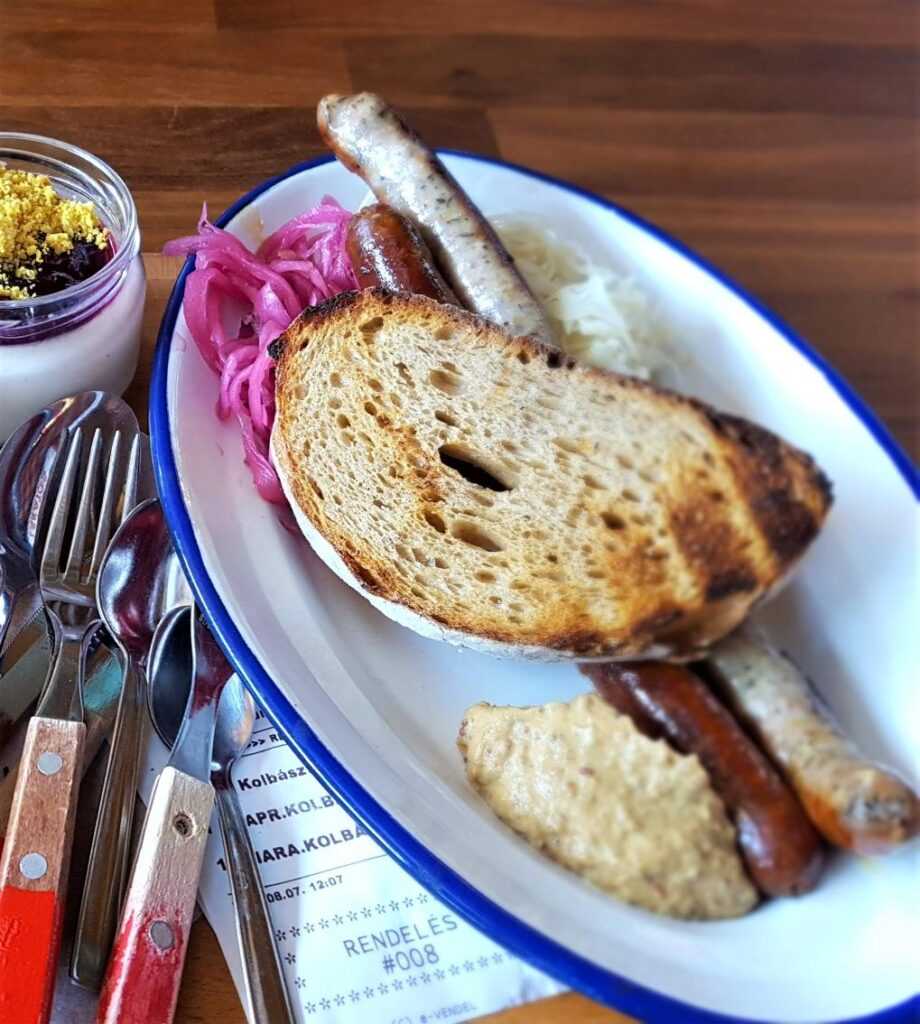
(34, 866)
(97, 728)
(41, 816)
(778, 139)
(145, 971)
(850, 21)
(728, 76)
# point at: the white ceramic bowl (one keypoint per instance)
(375, 709)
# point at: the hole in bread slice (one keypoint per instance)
(471, 466)
(446, 381)
(370, 327)
(473, 533)
(435, 521)
(612, 521)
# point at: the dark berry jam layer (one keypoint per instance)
(58, 271)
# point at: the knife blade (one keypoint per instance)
(25, 666)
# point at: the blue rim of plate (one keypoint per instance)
(501, 926)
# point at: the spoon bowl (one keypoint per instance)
(136, 579)
(171, 669)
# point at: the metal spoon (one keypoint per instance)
(28, 462)
(138, 582)
(170, 683)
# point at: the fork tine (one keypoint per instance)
(131, 477)
(57, 524)
(85, 509)
(107, 512)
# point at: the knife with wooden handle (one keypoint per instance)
(142, 981)
(34, 865)
(145, 971)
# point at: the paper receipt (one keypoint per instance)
(359, 938)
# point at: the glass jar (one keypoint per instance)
(87, 336)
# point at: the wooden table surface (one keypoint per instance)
(779, 139)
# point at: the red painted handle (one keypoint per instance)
(29, 944)
(33, 868)
(142, 982)
(144, 974)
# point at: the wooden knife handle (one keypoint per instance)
(33, 868)
(97, 728)
(142, 981)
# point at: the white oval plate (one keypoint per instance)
(375, 709)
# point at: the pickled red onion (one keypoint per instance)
(304, 262)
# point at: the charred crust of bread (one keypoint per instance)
(732, 581)
(788, 525)
(585, 642)
(358, 569)
(710, 543)
(658, 621)
(771, 479)
(674, 628)
(294, 339)
(313, 316)
(557, 360)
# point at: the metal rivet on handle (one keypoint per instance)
(50, 763)
(33, 865)
(161, 935)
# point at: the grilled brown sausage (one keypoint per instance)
(367, 135)
(851, 801)
(387, 251)
(782, 851)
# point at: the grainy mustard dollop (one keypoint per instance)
(629, 814)
(35, 222)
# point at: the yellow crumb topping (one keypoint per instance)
(36, 221)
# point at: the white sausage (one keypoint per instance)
(369, 138)
(852, 801)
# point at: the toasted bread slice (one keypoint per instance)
(488, 491)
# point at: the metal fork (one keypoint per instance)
(36, 855)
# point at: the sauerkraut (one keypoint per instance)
(601, 317)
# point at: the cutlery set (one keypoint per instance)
(87, 570)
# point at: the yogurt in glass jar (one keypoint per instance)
(87, 335)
